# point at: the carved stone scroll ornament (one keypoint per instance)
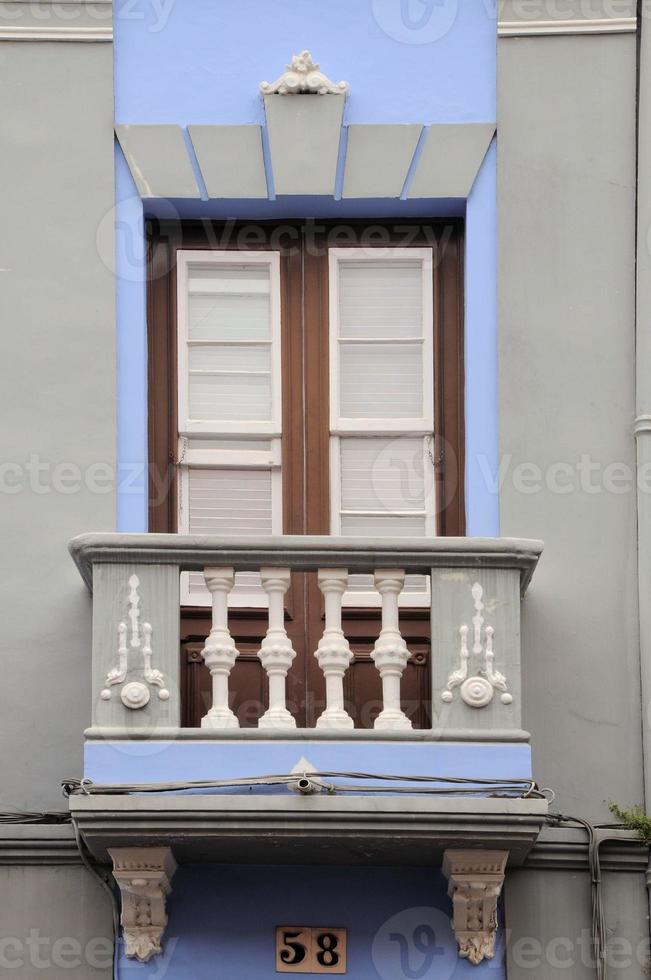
(135, 694)
(477, 689)
(303, 77)
(475, 880)
(143, 875)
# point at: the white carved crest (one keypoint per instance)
(303, 77)
(135, 694)
(477, 690)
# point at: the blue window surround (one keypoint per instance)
(482, 503)
(184, 68)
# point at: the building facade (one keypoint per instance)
(325, 488)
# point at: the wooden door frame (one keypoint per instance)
(304, 272)
(306, 426)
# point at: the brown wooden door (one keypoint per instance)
(304, 249)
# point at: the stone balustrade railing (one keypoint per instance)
(476, 586)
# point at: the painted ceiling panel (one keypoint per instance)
(231, 160)
(158, 160)
(451, 158)
(378, 158)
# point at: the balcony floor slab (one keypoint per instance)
(410, 830)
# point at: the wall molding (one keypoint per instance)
(56, 20)
(566, 849)
(38, 844)
(29, 32)
(550, 28)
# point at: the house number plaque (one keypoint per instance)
(305, 949)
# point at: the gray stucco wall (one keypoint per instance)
(549, 928)
(55, 922)
(57, 398)
(566, 124)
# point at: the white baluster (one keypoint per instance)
(390, 653)
(276, 653)
(333, 652)
(219, 652)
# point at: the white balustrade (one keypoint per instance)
(476, 587)
(333, 652)
(390, 653)
(276, 653)
(220, 652)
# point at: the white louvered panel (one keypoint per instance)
(230, 357)
(380, 299)
(382, 473)
(415, 585)
(382, 525)
(260, 445)
(216, 277)
(381, 381)
(225, 317)
(228, 302)
(236, 397)
(229, 502)
(246, 583)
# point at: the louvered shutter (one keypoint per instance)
(229, 403)
(381, 399)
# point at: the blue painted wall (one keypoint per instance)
(222, 923)
(200, 61)
(159, 761)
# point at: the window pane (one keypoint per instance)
(230, 357)
(382, 473)
(230, 502)
(380, 299)
(381, 381)
(382, 526)
(229, 302)
(245, 397)
(261, 445)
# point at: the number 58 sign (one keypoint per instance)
(303, 949)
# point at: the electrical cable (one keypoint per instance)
(437, 785)
(35, 817)
(598, 922)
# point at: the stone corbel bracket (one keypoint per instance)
(143, 875)
(303, 77)
(475, 880)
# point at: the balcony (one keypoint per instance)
(393, 786)
(473, 587)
